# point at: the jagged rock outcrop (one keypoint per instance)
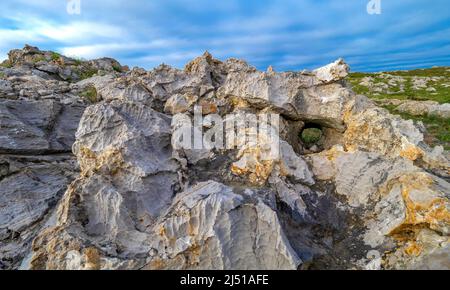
(40, 108)
(369, 194)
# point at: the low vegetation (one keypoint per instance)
(38, 58)
(438, 129)
(6, 64)
(311, 136)
(431, 84)
(117, 68)
(90, 94)
(87, 72)
(55, 56)
(420, 85)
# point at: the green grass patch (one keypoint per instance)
(86, 72)
(441, 95)
(78, 60)
(6, 64)
(438, 129)
(428, 72)
(311, 135)
(90, 94)
(38, 58)
(55, 56)
(117, 68)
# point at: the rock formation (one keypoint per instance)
(90, 179)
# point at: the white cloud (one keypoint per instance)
(70, 32)
(78, 31)
(113, 48)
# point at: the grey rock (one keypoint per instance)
(211, 227)
(30, 188)
(38, 126)
(370, 195)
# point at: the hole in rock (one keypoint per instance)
(312, 136)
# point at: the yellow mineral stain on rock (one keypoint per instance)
(413, 249)
(162, 231)
(110, 160)
(412, 153)
(332, 153)
(193, 254)
(432, 213)
(92, 257)
(208, 107)
(263, 170)
(156, 264)
(239, 103)
(252, 165)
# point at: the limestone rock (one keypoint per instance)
(425, 108)
(333, 72)
(30, 188)
(38, 126)
(179, 104)
(211, 227)
(370, 194)
(57, 66)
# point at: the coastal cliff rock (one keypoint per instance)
(91, 177)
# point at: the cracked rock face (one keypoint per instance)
(370, 194)
(39, 115)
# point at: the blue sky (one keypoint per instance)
(287, 34)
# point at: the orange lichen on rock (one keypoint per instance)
(258, 172)
(239, 103)
(162, 231)
(430, 211)
(333, 153)
(92, 257)
(110, 160)
(49, 249)
(412, 153)
(156, 264)
(413, 249)
(208, 107)
(252, 164)
(425, 206)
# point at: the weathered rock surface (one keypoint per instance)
(30, 188)
(369, 194)
(39, 115)
(211, 227)
(419, 108)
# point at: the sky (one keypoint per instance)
(290, 35)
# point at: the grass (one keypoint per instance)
(55, 56)
(438, 128)
(117, 68)
(2, 74)
(90, 94)
(311, 135)
(38, 59)
(78, 60)
(86, 72)
(441, 95)
(6, 64)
